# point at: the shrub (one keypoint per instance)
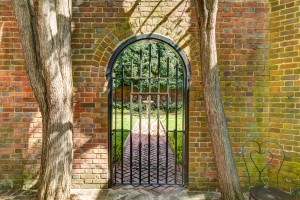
(163, 107)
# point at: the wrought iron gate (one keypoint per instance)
(148, 115)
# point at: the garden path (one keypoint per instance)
(154, 164)
(121, 193)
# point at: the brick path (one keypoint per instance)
(121, 193)
(129, 192)
(151, 170)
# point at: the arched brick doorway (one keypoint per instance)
(148, 99)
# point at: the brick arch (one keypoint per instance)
(108, 44)
(119, 34)
(141, 37)
(184, 89)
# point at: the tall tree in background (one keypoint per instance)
(46, 42)
(206, 11)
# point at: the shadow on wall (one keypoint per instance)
(19, 117)
(20, 121)
(244, 83)
(21, 127)
(90, 102)
(126, 19)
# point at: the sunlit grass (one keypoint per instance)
(118, 144)
(117, 137)
(172, 135)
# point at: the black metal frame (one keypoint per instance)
(261, 152)
(187, 78)
(264, 191)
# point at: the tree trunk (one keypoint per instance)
(229, 181)
(47, 54)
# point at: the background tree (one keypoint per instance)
(46, 42)
(132, 54)
(206, 11)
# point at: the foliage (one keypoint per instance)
(296, 192)
(118, 144)
(163, 107)
(138, 56)
(126, 126)
(172, 139)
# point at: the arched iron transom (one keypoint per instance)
(148, 106)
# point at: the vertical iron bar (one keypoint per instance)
(176, 116)
(186, 128)
(183, 128)
(158, 113)
(140, 119)
(131, 91)
(149, 111)
(110, 125)
(115, 132)
(122, 126)
(167, 121)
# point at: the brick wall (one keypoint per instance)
(285, 85)
(242, 42)
(20, 128)
(243, 49)
(98, 28)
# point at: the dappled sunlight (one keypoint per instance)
(148, 17)
(105, 87)
(186, 39)
(1, 31)
(98, 28)
(130, 7)
(53, 24)
(90, 111)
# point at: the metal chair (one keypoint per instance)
(262, 191)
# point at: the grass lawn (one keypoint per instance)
(172, 126)
(117, 139)
(179, 145)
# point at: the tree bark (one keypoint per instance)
(206, 11)
(46, 44)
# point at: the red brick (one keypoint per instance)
(242, 40)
